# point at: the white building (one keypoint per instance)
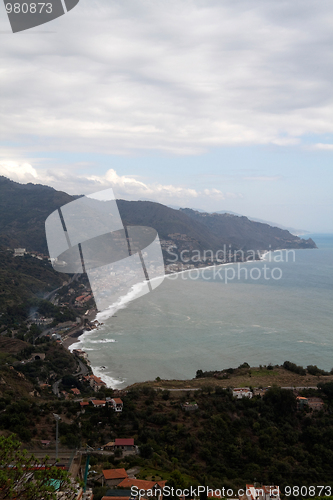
(19, 252)
(242, 392)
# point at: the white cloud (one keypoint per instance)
(20, 172)
(327, 147)
(178, 77)
(127, 187)
(214, 193)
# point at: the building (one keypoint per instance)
(98, 403)
(301, 402)
(76, 391)
(113, 477)
(315, 403)
(126, 444)
(116, 404)
(19, 252)
(242, 392)
(109, 446)
(95, 382)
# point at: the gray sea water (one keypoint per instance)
(197, 320)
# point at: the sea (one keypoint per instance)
(261, 312)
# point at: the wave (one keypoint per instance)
(102, 341)
(110, 381)
(122, 302)
(80, 341)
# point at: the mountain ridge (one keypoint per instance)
(25, 207)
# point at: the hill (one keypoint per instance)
(23, 211)
(242, 232)
(25, 207)
(24, 278)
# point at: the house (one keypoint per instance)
(117, 404)
(95, 382)
(124, 444)
(301, 402)
(76, 391)
(315, 403)
(242, 392)
(19, 252)
(109, 446)
(98, 403)
(84, 403)
(260, 392)
(82, 299)
(113, 477)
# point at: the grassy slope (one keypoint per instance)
(241, 378)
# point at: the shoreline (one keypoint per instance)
(74, 337)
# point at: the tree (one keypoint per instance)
(23, 476)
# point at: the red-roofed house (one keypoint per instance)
(113, 477)
(124, 444)
(76, 391)
(98, 403)
(116, 404)
(95, 382)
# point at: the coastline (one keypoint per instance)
(74, 337)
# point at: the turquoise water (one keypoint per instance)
(198, 321)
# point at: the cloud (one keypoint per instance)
(214, 193)
(176, 77)
(327, 147)
(124, 186)
(20, 172)
(263, 178)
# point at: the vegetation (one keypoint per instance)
(23, 476)
(23, 279)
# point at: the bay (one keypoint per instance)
(207, 320)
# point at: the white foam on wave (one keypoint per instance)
(110, 381)
(311, 342)
(102, 341)
(80, 341)
(122, 302)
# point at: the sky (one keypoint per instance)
(208, 104)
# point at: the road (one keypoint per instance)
(84, 370)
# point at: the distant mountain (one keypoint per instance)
(292, 230)
(25, 207)
(242, 232)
